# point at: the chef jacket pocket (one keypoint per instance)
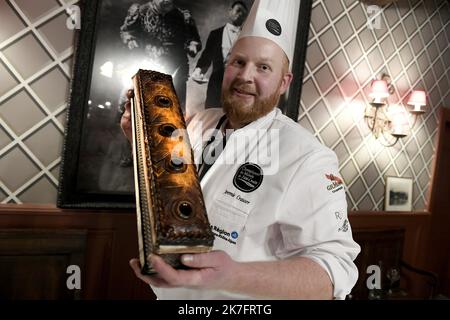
(227, 224)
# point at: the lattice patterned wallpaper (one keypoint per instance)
(344, 55)
(36, 50)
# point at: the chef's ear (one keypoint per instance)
(285, 82)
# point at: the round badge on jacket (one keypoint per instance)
(248, 177)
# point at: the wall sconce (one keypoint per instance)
(417, 99)
(390, 123)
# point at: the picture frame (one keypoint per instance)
(96, 167)
(399, 193)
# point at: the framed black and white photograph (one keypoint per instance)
(183, 38)
(398, 194)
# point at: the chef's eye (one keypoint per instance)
(264, 67)
(238, 63)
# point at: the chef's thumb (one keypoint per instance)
(203, 260)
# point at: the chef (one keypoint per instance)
(274, 198)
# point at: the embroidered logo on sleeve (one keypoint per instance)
(336, 183)
(344, 227)
(339, 217)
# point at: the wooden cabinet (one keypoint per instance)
(31, 259)
(380, 247)
(389, 237)
(38, 243)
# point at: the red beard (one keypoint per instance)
(241, 113)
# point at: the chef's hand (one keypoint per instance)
(212, 270)
(125, 121)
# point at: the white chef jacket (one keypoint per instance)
(299, 209)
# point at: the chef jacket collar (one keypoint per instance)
(258, 124)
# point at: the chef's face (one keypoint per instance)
(256, 75)
(163, 6)
(237, 14)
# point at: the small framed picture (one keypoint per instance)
(398, 194)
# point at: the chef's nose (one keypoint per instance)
(247, 73)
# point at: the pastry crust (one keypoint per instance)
(171, 214)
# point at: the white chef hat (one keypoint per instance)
(274, 20)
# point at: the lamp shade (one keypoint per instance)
(399, 121)
(379, 90)
(417, 98)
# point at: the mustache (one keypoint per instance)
(242, 86)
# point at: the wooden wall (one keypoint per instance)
(110, 242)
(416, 232)
(439, 245)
